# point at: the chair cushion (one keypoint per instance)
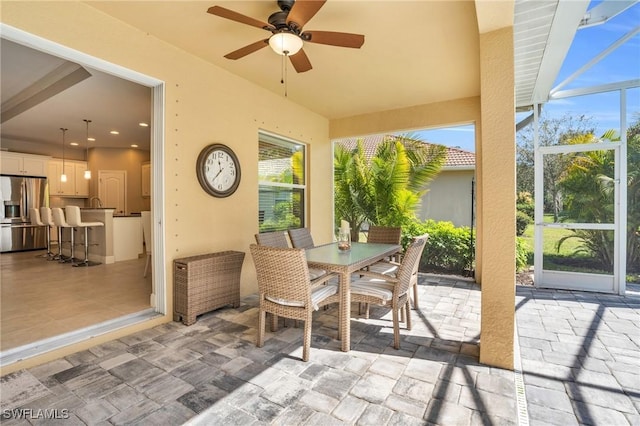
(316, 273)
(317, 295)
(376, 288)
(384, 268)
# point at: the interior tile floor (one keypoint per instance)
(41, 299)
(577, 352)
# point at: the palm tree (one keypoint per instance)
(588, 188)
(385, 190)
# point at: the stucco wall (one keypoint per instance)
(204, 104)
(449, 198)
(496, 198)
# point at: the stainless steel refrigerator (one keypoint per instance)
(18, 195)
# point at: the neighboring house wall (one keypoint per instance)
(449, 198)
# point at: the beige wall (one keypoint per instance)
(449, 198)
(496, 198)
(449, 113)
(129, 160)
(493, 115)
(204, 104)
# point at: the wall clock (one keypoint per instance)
(218, 170)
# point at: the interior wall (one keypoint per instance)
(203, 104)
(129, 160)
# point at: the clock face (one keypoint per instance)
(218, 170)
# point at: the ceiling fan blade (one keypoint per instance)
(334, 38)
(238, 17)
(300, 61)
(302, 11)
(244, 51)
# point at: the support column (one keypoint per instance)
(496, 201)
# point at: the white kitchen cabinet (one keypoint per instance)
(75, 186)
(82, 184)
(146, 179)
(56, 186)
(13, 163)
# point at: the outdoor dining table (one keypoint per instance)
(330, 258)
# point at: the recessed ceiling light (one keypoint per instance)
(74, 143)
(134, 146)
(143, 124)
(91, 139)
(114, 132)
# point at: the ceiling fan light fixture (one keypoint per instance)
(285, 43)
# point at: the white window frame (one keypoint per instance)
(287, 142)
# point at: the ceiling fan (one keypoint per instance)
(287, 35)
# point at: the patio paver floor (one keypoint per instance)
(579, 357)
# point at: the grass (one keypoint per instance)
(552, 235)
(563, 259)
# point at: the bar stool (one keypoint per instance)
(60, 222)
(75, 221)
(47, 220)
(34, 215)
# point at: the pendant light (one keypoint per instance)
(87, 172)
(63, 177)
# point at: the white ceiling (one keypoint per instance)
(415, 52)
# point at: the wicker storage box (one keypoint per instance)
(205, 282)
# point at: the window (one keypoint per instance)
(282, 189)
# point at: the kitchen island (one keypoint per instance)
(101, 248)
(127, 237)
(119, 239)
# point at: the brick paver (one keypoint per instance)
(578, 355)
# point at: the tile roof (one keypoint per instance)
(456, 157)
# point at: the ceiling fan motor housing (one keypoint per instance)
(279, 20)
(286, 5)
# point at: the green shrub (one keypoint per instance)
(522, 254)
(525, 204)
(522, 221)
(448, 248)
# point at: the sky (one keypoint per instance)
(621, 65)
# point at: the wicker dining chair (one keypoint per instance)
(301, 238)
(279, 239)
(285, 289)
(390, 267)
(390, 291)
(385, 235)
(272, 239)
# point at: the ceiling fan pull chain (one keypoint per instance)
(284, 65)
(282, 70)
